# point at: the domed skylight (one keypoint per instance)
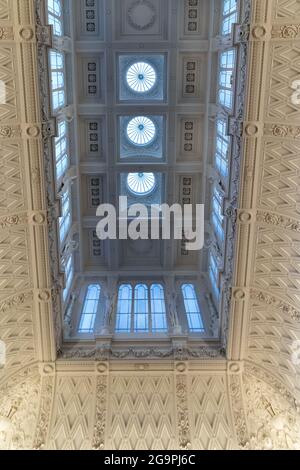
(141, 130)
(141, 184)
(141, 77)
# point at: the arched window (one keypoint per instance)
(57, 67)
(90, 308)
(61, 150)
(66, 219)
(227, 66)
(69, 275)
(141, 309)
(55, 16)
(222, 147)
(192, 308)
(158, 308)
(124, 309)
(230, 15)
(217, 216)
(213, 272)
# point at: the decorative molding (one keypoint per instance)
(238, 409)
(13, 220)
(15, 301)
(281, 221)
(6, 33)
(262, 374)
(282, 131)
(287, 31)
(271, 300)
(183, 425)
(104, 352)
(41, 432)
(100, 419)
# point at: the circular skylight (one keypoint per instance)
(141, 184)
(141, 130)
(141, 77)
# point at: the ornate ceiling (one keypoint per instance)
(248, 399)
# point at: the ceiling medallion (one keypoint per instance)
(141, 15)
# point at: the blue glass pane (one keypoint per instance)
(90, 307)
(124, 308)
(141, 308)
(141, 77)
(158, 308)
(192, 308)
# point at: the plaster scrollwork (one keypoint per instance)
(44, 413)
(274, 302)
(100, 420)
(104, 352)
(270, 218)
(184, 431)
(18, 414)
(13, 220)
(238, 409)
(150, 14)
(273, 423)
(288, 31)
(9, 132)
(15, 301)
(6, 33)
(282, 131)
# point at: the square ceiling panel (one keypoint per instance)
(141, 18)
(142, 77)
(142, 137)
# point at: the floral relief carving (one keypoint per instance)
(281, 221)
(45, 413)
(15, 301)
(6, 33)
(238, 409)
(276, 303)
(100, 420)
(281, 130)
(273, 423)
(183, 413)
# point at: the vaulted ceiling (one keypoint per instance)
(225, 402)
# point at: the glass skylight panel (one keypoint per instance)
(227, 66)
(65, 221)
(141, 309)
(69, 275)
(141, 184)
(217, 217)
(141, 130)
(192, 308)
(124, 309)
(158, 308)
(230, 15)
(55, 16)
(141, 77)
(61, 150)
(222, 146)
(57, 79)
(213, 272)
(90, 308)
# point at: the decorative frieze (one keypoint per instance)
(274, 302)
(282, 131)
(41, 432)
(280, 221)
